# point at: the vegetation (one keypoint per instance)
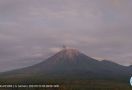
(67, 84)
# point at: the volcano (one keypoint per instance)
(73, 64)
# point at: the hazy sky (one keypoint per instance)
(35, 29)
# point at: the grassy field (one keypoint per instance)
(68, 84)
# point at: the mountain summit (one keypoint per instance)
(71, 63)
(69, 52)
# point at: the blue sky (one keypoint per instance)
(35, 29)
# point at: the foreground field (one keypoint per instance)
(71, 85)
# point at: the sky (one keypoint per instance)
(33, 30)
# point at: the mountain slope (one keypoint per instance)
(72, 63)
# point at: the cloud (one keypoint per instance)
(55, 50)
(35, 28)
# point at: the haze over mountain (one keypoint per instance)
(71, 63)
(30, 28)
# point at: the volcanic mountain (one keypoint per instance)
(71, 63)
